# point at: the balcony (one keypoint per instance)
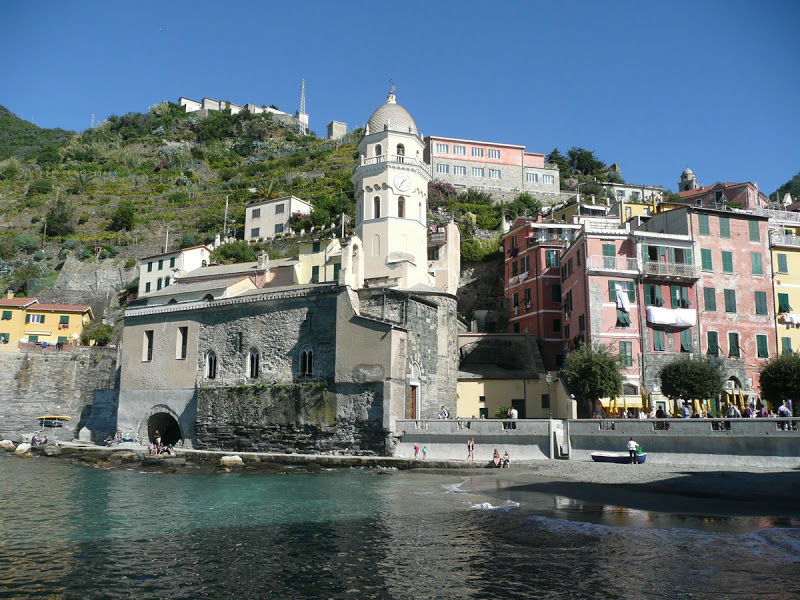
(779, 239)
(437, 237)
(613, 264)
(670, 270)
(392, 158)
(550, 240)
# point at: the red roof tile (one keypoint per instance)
(62, 307)
(17, 301)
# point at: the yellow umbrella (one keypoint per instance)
(741, 399)
(696, 406)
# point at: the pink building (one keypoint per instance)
(533, 283)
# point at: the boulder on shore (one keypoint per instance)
(231, 461)
(23, 449)
(7, 445)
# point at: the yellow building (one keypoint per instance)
(785, 250)
(319, 262)
(26, 320)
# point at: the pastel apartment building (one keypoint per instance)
(27, 321)
(267, 218)
(159, 271)
(504, 170)
(678, 283)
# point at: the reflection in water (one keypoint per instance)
(76, 532)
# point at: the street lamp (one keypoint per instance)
(549, 379)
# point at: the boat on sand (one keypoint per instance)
(617, 457)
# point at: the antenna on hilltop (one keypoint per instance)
(303, 96)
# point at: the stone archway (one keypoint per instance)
(167, 427)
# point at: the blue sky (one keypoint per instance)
(654, 86)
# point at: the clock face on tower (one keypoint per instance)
(402, 182)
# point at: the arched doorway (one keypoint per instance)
(167, 427)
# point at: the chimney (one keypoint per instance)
(263, 261)
(10, 294)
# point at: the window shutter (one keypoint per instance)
(648, 294)
(689, 257)
(631, 292)
(686, 339)
(675, 296)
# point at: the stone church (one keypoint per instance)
(318, 367)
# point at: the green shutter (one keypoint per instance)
(710, 299)
(713, 343)
(724, 227)
(783, 303)
(705, 259)
(675, 296)
(727, 262)
(782, 266)
(631, 292)
(786, 345)
(730, 301)
(658, 299)
(609, 250)
(612, 290)
(761, 345)
(555, 292)
(623, 318)
(6, 315)
(755, 235)
(702, 221)
(686, 339)
(27, 318)
(761, 303)
(689, 257)
(733, 344)
(671, 255)
(755, 264)
(658, 340)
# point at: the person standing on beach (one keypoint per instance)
(424, 452)
(471, 449)
(416, 451)
(632, 451)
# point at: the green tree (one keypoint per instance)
(28, 243)
(82, 183)
(522, 204)
(96, 332)
(690, 379)
(779, 378)
(59, 219)
(559, 160)
(123, 218)
(593, 373)
(40, 186)
(234, 252)
(584, 161)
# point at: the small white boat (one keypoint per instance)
(617, 457)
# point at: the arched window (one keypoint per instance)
(401, 207)
(401, 150)
(208, 298)
(172, 301)
(253, 360)
(211, 365)
(376, 210)
(166, 281)
(306, 361)
(204, 263)
(376, 245)
(158, 283)
(378, 150)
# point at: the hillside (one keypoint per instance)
(117, 189)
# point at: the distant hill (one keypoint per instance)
(21, 139)
(792, 187)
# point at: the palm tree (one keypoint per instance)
(82, 183)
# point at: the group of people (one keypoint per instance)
(499, 462)
(157, 447)
(38, 440)
(417, 449)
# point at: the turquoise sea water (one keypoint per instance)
(70, 531)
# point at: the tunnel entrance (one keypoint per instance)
(167, 427)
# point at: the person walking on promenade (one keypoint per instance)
(424, 452)
(416, 451)
(444, 414)
(513, 414)
(632, 445)
(471, 449)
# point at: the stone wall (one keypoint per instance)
(39, 382)
(95, 276)
(292, 418)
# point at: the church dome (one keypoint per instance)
(687, 171)
(393, 116)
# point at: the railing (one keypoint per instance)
(611, 263)
(395, 158)
(778, 215)
(439, 237)
(547, 239)
(779, 239)
(469, 427)
(670, 270)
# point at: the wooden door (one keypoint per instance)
(412, 402)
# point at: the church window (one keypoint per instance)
(211, 365)
(478, 152)
(378, 150)
(306, 361)
(494, 153)
(376, 245)
(181, 345)
(253, 359)
(443, 169)
(204, 263)
(460, 150)
(401, 207)
(443, 148)
(401, 150)
(376, 207)
(147, 349)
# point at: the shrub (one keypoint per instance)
(39, 255)
(123, 218)
(178, 198)
(28, 243)
(234, 252)
(40, 186)
(59, 219)
(96, 332)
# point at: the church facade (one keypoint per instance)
(315, 367)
